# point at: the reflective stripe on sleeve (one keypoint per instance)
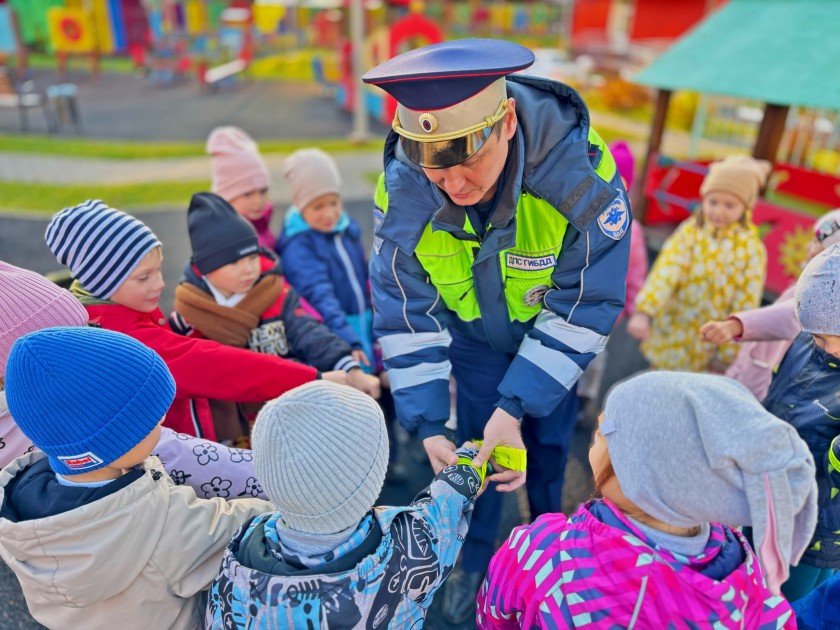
(403, 378)
(553, 362)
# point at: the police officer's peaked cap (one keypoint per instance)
(449, 96)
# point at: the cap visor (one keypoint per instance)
(445, 153)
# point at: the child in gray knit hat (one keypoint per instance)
(679, 460)
(804, 392)
(327, 557)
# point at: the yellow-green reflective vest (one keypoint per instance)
(526, 267)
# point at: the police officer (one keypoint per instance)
(500, 255)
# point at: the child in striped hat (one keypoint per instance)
(116, 261)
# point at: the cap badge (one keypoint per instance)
(428, 122)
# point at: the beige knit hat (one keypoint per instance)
(238, 168)
(311, 173)
(321, 453)
(740, 175)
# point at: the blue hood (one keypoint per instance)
(294, 223)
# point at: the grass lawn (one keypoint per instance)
(133, 150)
(16, 196)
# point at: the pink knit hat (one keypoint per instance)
(31, 302)
(238, 168)
(311, 173)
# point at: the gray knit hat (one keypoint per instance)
(694, 448)
(818, 294)
(321, 453)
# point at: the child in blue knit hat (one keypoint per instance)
(31, 303)
(804, 392)
(92, 526)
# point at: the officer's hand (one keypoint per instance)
(336, 376)
(441, 452)
(501, 430)
(638, 326)
(364, 382)
(722, 332)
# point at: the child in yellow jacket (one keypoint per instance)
(714, 264)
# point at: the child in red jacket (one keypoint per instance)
(116, 262)
(233, 292)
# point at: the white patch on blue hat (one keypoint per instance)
(615, 220)
(81, 462)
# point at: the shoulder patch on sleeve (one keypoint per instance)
(615, 220)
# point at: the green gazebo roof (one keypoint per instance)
(785, 52)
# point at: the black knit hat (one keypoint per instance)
(218, 235)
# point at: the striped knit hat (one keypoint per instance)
(86, 396)
(101, 245)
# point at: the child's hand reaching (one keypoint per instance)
(336, 376)
(359, 356)
(722, 332)
(366, 383)
(638, 326)
(467, 452)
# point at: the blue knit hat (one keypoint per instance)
(85, 396)
(101, 245)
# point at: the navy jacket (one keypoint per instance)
(330, 272)
(806, 393)
(35, 493)
(551, 158)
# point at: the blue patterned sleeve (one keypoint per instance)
(441, 515)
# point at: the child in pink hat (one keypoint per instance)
(240, 177)
(29, 303)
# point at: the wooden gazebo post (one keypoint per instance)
(639, 203)
(770, 132)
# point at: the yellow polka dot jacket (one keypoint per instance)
(703, 273)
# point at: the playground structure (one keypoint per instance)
(622, 32)
(756, 53)
(381, 45)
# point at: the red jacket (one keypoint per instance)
(202, 368)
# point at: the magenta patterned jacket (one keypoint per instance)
(580, 572)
